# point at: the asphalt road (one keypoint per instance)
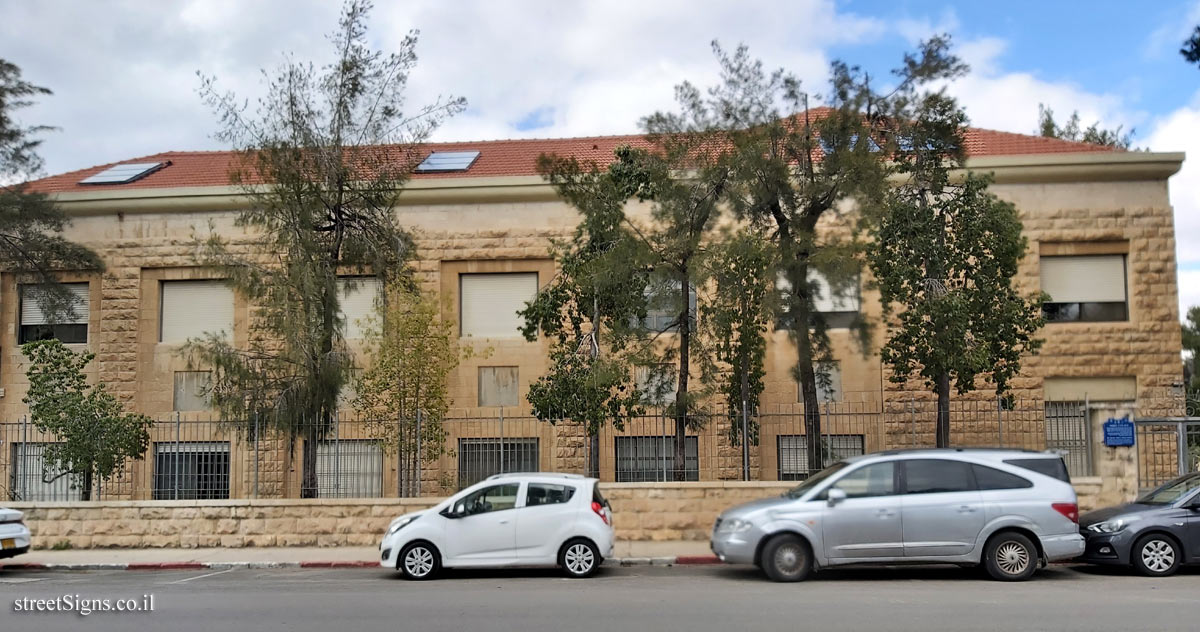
(641, 599)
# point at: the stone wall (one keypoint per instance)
(643, 511)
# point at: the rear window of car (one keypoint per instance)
(598, 497)
(989, 478)
(1052, 467)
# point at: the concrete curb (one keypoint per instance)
(682, 560)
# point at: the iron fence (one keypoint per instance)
(192, 458)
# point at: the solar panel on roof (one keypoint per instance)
(121, 174)
(447, 161)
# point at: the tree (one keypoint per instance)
(95, 434)
(589, 307)
(403, 394)
(1093, 134)
(1191, 346)
(795, 166)
(31, 225)
(944, 256)
(737, 316)
(323, 162)
(1191, 47)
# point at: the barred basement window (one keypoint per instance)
(191, 470)
(35, 322)
(29, 476)
(349, 468)
(793, 453)
(641, 459)
(479, 458)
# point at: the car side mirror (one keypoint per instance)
(452, 512)
(835, 496)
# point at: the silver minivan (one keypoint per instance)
(1009, 510)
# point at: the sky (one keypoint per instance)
(124, 73)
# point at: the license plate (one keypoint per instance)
(8, 543)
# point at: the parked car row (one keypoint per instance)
(1009, 511)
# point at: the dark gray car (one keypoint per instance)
(1156, 534)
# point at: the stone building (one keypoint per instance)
(1102, 244)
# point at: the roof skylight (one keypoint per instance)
(444, 161)
(124, 173)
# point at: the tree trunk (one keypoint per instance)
(681, 402)
(308, 484)
(942, 429)
(745, 413)
(594, 455)
(804, 365)
(86, 492)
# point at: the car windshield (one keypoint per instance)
(815, 480)
(1172, 491)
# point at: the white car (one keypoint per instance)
(14, 535)
(527, 519)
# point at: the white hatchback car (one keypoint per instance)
(525, 519)
(14, 535)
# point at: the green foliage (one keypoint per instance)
(793, 166)
(95, 434)
(736, 318)
(33, 246)
(324, 160)
(412, 352)
(1072, 131)
(1190, 331)
(944, 257)
(1191, 47)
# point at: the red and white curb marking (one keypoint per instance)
(683, 560)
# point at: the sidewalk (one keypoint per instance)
(624, 553)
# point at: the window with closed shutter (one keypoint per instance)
(357, 299)
(837, 305)
(191, 390)
(499, 386)
(195, 309)
(1088, 288)
(37, 322)
(489, 303)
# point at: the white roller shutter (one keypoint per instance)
(191, 309)
(489, 303)
(33, 314)
(824, 300)
(1084, 278)
(358, 304)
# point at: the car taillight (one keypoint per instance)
(601, 511)
(1070, 510)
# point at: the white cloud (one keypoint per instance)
(1165, 40)
(1180, 131)
(124, 72)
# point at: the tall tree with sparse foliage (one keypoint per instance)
(1073, 130)
(403, 393)
(737, 317)
(94, 434)
(324, 158)
(1191, 346)
(31, 225)
(795, 166)
(944, 256)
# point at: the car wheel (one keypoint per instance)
(419, 560)
(579, 558)
(787, 558)
(1156, 555)
(1010, 557)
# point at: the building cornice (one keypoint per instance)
(1024, 169)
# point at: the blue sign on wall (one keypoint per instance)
(1118, 432)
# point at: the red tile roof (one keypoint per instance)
(496, 158)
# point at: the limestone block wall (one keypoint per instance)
(642, 511)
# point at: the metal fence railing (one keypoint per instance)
(192, 458)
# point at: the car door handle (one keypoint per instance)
(885, 513)
(505, 521)
(966, 509)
